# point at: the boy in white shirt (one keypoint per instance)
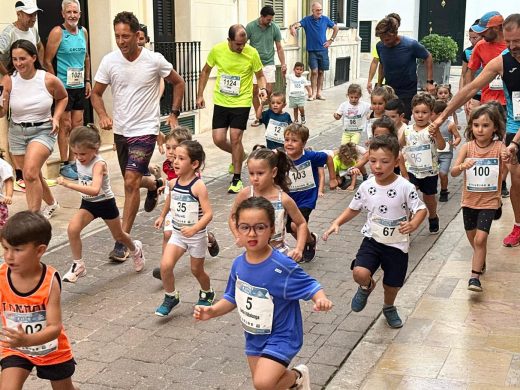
(297, 93)
(354, 113)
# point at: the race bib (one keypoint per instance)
(230, 85)
(75, 77)
(297, 88)
(386, 231)
(302, 178)
(496, 84)
(483, 176)
(354, 123)
(31, 323)
(185, 211)
(419, 157)
(279, 222)
(515, 99)
(275, 130)
(255, 307)
(447, 148)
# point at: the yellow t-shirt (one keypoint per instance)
(234, 86)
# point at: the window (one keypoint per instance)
(344, 12)
(279, 10)
(164, 21)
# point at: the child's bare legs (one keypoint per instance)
(431, 204)
(197, 269)
(390, 294)
(363, 277)
(293, 232)
(444, 181)
(78, 222)
(115, 227)
(166, 237)
(302, 113)
(295, 114)
(478, 240)
(13, 378)
(64, 384)
(172, 254)
(268, 374)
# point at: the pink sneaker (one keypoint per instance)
(513, 239)
(139, 260)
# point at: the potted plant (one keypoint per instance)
(443, 50)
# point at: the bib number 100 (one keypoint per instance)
(481, 171)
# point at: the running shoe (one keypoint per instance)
(474, 285)
(206, 298)
(434, 225)
(235, 188)
(213, 247)
(120, 253)
(49, 210)
(139, 259)
(392, 317)
(443, 197)
(359, 301)
(152, 196)
(513, 239)
(76, 271)
(19, 185)
(168, 304)
(309, 252)
(68, 172)
(303, 121)
(304, 381)
(505, 191)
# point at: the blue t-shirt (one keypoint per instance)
(511, 81)
(400, 65)
(287, 283)
(275, 132)
(315, 30)
(305, 180)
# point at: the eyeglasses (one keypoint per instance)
(259, 228)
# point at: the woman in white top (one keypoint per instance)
(29, 91)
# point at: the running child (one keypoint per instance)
(268, 174)
(305, 180)
(275, 120)
(6, 189)
(481, 162)
(297, 92)
(452, 137)
(354, 114)
(394, 109)
(378, 99)
(267, 301)
(191, 212)
(444, 94)
(30, 307)
(346, 158)
(97, 200)
(420, 142)
(389, 200)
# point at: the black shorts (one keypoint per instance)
(427, 185)
(52, 372)
(232, 117)
(407, 101)
(480, 219)
(394, 262)
(306, 212)
(509, 138)
(105, 209)
(76, 99)
(134, 153)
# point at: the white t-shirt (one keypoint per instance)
(354, 117)
(6, 172)
(387, 205)
(135, 90)
(296, 85)
(10, 34)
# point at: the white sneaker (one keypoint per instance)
(76, 271)
(49, 210)
(139, 259)
(304, 382)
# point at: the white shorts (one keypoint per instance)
(196, 245)
(269, 74)
(168, 227)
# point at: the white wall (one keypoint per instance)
(476, 8)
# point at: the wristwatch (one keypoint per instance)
(175, 111)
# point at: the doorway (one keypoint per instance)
(444, 17)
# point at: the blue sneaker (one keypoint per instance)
(68, 172)
(167, 306)
(206, 298)
(359, 301)
(120, 253)
(392, 317)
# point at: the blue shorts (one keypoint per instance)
(319, 60)
(272, 145)
(277, 348)
(134, 153)
(445, 162)
(394, 262)
(21, 136)
(427, 185)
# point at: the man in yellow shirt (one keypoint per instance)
(236, 63)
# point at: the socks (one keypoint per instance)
(385, 306)
(173, 294)
(236, 178)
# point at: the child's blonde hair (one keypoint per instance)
(386, 92)
(493, 114)
(348, 153)
(85, 136)
(179, 134)
(298, 130)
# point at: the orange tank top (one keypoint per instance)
(29, 310)
(483, 200)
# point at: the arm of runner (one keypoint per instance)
(371, 73)
(281, 57)
(459, 165)
(88, 80)
(344, 217)
(177, 96)
(301, 226)
(412, 225)
(428, 64)
(203, 80)
(5, 85)
(321, 302)
(333, 183)
(96, 98)
(203, 313)
(262, 84)
(58, 92)
(51, 48)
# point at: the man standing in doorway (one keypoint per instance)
(315, 27)
(507, 66)
(263, 34)
(69, 44)
(236, 64)
(134, 75)
(398, 54)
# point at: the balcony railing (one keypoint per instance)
(185, 57)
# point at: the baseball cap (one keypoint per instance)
(490, 19)
(27, 6)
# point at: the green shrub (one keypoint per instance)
(442, 49)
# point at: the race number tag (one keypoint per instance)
(515, 99)
(496, 84)
(354, 123)
(185, 211)
(483, 176)
(275, 130)
(447, 148)
(230, 85)
(255, 307)
(279, 221)
(419, 157)
(386, 231)
(31, 323)
(75, 77)
(297, 88)
(302, 178)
